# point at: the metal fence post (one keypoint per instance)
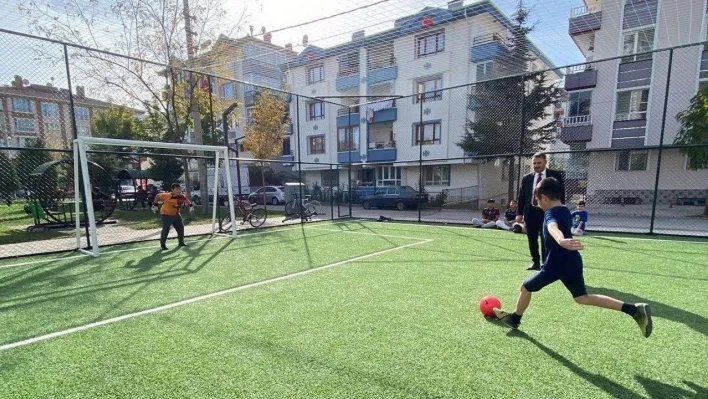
(299, 161)
(205, 190)
(419, 134)
(517, 183)
(350, 133)
(661, 142)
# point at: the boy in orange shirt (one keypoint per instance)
(172, 204)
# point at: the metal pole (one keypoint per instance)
(205, 190)
(419, 136)
(230, 192)
(661, 143)
(331, 193)
(350, 132)
(215, 211)
(75, 134)
(523, 133)
(299, 161)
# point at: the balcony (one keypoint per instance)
(347, 79)
(250, 98)
(382, 152)
(488, 46)
(384, 111)
(634, 73)
(378, 74)
(343, 157)
(576, 129)
(580, 77)
(345, 119)
(629, 130)
(585, 19)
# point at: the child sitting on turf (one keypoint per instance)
(580, 219)
(563, 262)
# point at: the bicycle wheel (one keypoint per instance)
(313, 207)
(290, 208)
(225, 223)
(258, 217)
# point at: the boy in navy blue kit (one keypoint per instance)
(563, 262)
(580, 219)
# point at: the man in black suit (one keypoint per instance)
(529, 212)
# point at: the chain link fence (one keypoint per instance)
(625, 132)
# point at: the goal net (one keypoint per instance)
(117, 181)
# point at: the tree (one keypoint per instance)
(497, 127)
(167, 169)
(8, 178)
(116, 123)
(265, 134)
(28, 159)
(694, 132)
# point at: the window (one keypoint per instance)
(316, 144)
(637, 41)
(577, 110)
(330, 178)
(348, 139)
(50, 110)
(315, 74)
(632, 105)
(286, 146)
(21, 105)
(429, 131)
(315, 111)
(437, 175)
(631, 160)
(430, 89)
(695, 164)
(349, 64)
(82, 114)
(25, 125)
(26, 141)
(485, 70)
(227, 91)
(430, 44)
(388, 176)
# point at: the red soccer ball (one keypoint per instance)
(487, 305)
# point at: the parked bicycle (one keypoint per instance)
(303, 209)
(251, 214)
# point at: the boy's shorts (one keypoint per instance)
(574, 282)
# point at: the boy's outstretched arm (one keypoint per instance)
(567, 243)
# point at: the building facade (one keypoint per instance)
(424, 53)
(30, 112)
(619, 103)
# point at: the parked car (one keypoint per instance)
(274, 195)
(399, 197)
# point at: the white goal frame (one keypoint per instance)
(80, 160)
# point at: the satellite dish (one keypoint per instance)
(25, 82)
(263, 29)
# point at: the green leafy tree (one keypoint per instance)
(8, 178)
(167, 169)
(694, 132)
(116, 123)
(497, 125)
(27, 161)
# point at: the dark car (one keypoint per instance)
(399, 197)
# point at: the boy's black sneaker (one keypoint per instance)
(506, 318)
(182, 244)
(643, 318)
(164, 248)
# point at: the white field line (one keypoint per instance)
(369, 233)
(218, 237)
(679, 239)
(197, 299)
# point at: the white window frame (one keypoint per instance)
(12, 105)
(577, 120)
(17, 129)
(445, 173)
(685, 164)
(49, 104)
(630, 113)
(20, 138)
(488, 70)
(384, 173)
(632, 57)
(312, 76)
(629, 161)
(422, 39)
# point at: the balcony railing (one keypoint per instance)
(571, 70)
(490, 37)
(345, 111)
(380, 145)
(347, 71)
(381, 64)
(577, 120)
(584, 10)
(631, 116)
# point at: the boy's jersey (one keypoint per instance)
(490, 214)
(510, 215)
(557, 257)
(171, 204)
(579, 216)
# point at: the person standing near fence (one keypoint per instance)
(529, 212)
(170, 213)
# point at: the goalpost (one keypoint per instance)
(81, 162)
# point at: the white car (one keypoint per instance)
(273, 195)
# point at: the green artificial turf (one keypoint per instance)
(403, 323)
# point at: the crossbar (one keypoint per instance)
(148, 144)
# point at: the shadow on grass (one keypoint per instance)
(691, 320)
(656, 389)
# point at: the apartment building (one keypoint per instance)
(619, 103)
(29, 112)
(425, 52)
(255, 61)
